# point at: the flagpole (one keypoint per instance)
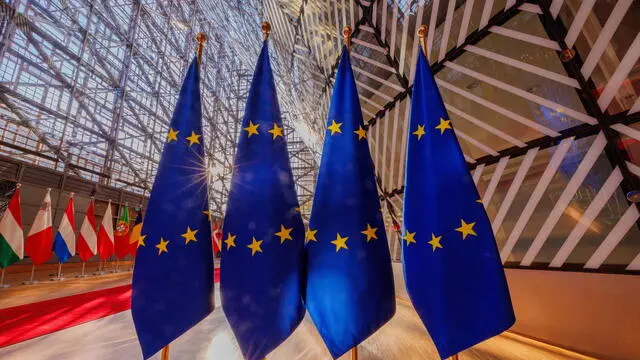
(354, 353)
(346, 34)
(2, 284)
(201, 38)
(454, 357)
(422, 35)
(165, 353)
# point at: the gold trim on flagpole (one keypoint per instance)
(165, 353)
(422, 34)
(201, 38)
(266, 30)
(346, 34)
(354, 353)
(454, 357)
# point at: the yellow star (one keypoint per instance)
(444, 125)
(435, 241)
(419, 132)
(190, 235)
(141, 240)
(255, 246)
(311, 235)
(408, 237)
(335, 127)
(362, 133)
(284, 234)
(340, 242)
(194, 138)
(172, 135)
(208, 213)
(276, 131)
(252, 129)
(466, 229)
(370, 232)
(230, 241)
(297, 209)
(162, 246)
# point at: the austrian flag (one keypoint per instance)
(11, 234)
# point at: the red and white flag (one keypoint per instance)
(38, 245)
(105, 235)
(87, 239)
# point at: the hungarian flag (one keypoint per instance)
(122, 233)
(105, 235)
(11, 234)
(87, 240)
(136, 237)
(40, 239)
(64, 244)
(217, 238)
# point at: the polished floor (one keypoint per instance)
(113, 337)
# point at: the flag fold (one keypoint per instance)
(172, 287)
(11, 233)
(40, 239)
(452, 268)
(262, 261)
(350, 291)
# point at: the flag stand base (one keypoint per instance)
(31, 280)
(2, 284)
(82, 274)
(101, 270)
(60, 276)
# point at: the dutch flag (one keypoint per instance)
(64, 245)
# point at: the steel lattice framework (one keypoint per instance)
(88, 86)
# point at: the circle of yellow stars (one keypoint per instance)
(465, 229)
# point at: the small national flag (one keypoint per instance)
(217, 238)
(262, 264)
(40, 239)
(136, 239)
(350, 291)
(11, 234)
(121, 235)
(172, 286)
(87, 239)
(105, 234)
(64, 244)
(452, 268)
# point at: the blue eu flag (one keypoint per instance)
(451, 263)
(262, 260)
(173, 275)
(350, 290)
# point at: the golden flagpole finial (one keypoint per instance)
(346, 34)
(266, 30)
(422, 35)
(201, 38)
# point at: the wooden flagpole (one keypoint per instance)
(354, 353)
(165, 353)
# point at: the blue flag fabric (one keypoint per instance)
(262, 269)
(173, 275)
(350, 291)
(452, 267)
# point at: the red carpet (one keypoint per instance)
(24, 322)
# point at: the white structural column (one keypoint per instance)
(532, 39)
(621, 73)
(635, 264)
(486, 13)
(477, 173)
(504, 136)
(447, 29)
(513, 189)
(565, 198)
(404, 136)
(495, 179)
(555, 7)
(578, 22)
(466, 18)
(535, 197)
(605, 36)
(432, 27)
(614, 237)
(397, 124)
(600, 200)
